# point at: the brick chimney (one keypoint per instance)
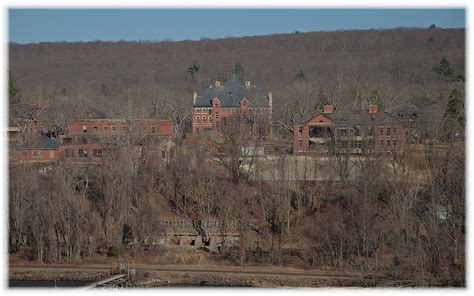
(328, 109)
(373, 108)
(247, 84)
(194, 98)
(217, 84)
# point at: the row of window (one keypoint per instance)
(81, 140)
(351, 144)
(114, 128)
(344, 132)
(388, 132)
(38, 153)
(391, 132)
(104, 128)
(204, 110)
(83, 153)
(203, 118)
(359, 143)
(390, 143)
(226, 110)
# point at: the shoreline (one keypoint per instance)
(147, 275)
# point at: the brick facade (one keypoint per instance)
(355, 132)
(90, 139)
(121, 126)
(37, 155)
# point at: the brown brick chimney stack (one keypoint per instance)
(373, 108)
(328, 109)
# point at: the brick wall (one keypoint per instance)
(222, 118)
(37, 155)
(119, 126)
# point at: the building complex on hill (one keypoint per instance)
(233, 107)
(89, 140)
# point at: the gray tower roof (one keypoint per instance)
(231, 93)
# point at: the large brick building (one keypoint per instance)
(233, 106)
(89, 139)
(331, 131)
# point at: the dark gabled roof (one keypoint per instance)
(351, 118)
(408, 112)
(231, 93)
(299, 119)
(360, 117)
(40, 142)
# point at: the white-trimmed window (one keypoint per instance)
(97, 152)
(83, 152)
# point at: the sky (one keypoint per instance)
(48, 25)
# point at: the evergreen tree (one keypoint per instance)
(193, 69)
(239, 71)
(13, 90)
(300, 76)
(455, 107)
(444, 68)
